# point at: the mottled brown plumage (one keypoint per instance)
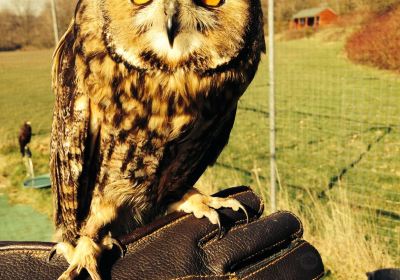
(142, 109)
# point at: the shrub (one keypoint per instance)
(377, 43)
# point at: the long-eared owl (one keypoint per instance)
(146, 97)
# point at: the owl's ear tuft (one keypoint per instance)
(65, 44)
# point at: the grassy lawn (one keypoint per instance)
(338, 145)
(22, 223)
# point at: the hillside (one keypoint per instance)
(377, 43)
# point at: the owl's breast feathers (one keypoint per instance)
(156, 128)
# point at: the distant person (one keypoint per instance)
(24, 137)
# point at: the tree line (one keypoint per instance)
(22, 26)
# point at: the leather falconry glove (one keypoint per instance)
(179, 246)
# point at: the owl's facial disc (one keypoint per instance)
(169, 34)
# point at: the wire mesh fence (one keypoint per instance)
(338, 128)
(337, 131)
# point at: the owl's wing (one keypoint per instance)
(189, 165)
(220, 140)
(69, 141)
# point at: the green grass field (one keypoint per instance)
(337, 131)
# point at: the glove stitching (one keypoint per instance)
(275, 261)
(203, 241)
(319, 276)
(204, 276)
(24, 251)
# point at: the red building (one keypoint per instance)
(314, 17)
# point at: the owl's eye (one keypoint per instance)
(211, 3)
(141, 2)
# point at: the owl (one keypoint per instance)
(146, 97)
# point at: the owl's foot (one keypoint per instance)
(205, 206)
(85, 255)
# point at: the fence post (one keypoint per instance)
(55, 24)
(272, 130)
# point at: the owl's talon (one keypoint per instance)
(108, 242)
(245, 212)
(62, 248)
(122, 250)
(221, 232)
(52, 252)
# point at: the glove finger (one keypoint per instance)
(245, 243)
(301, 261)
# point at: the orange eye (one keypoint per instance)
(141, 2)
(212, 3)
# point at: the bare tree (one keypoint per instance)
(65, 12)
(24, 10)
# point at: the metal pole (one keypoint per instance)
(55, 24)
(272, 141)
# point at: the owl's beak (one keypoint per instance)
(172, 22)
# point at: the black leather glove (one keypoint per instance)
(179, 246)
